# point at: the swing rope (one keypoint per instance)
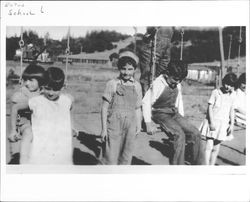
(21, 45)
(182, 36)
(67, 54)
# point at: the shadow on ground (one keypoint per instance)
(89, 156)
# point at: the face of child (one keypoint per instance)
(51, 94)
(172, 81)
(228, 88)
(31, 84)
(243, 87)
(127, 72)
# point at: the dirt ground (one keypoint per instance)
(86, 84)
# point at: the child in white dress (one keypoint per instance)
(51, 122)
(33, 79)
(218, 126)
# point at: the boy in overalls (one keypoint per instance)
(121, 112)
(163, 104)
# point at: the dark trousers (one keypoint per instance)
(180, 131)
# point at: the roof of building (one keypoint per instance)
(101, 55)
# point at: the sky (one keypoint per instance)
(59, 32)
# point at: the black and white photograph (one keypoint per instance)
(187, 103)
(94, 98)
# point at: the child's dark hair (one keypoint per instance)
(126, 60)
(230, 79)
(177, 69)
(54, 78)
(242, 79)
(34, 71)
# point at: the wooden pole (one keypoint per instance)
(21, 58)
(135, 29)
(67, 54)
(229, 50)
(238, 64)
(222, 72)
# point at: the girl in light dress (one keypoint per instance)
(51, 122)
(33, 79)
(219, 124)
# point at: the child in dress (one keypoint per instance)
(33, 79)
(218, 126)
(51, 122)
(121, 112)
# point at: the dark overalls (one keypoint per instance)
(121, 128)
(177, 127)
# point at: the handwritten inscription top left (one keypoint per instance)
(20, 9)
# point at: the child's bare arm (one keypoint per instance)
(211, 117)
(104, 114)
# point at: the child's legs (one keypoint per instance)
(193, 136)
(128, 141)
(113, 141)
(25, 145)
(172, 129)
(208, 151)
(215, 152)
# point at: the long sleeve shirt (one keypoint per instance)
(154, 93)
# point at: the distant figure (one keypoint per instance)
(163, 104)
(145, 52)
(219, 124)
(240, 102)
(33, 77)
(114, 59)
(121, 112)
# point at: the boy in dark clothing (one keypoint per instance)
(163, 104)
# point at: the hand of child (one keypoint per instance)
(103, 135)
(212, 127)
(138, 129)
(75, 132)
(151, 128)
(14, 136)
(230, 130)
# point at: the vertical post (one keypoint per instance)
(238, 63)
(229, 50)
(67, 54)
(182, 34)
(135, 29)
(222, 72)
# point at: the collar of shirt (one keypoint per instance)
(128, 82)
(163, 80)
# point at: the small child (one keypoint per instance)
(33, 79)
(121, 112)
(51, 122)
(218, 126)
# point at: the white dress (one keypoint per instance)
(222, 104)
(240, 103)
(51, 126)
